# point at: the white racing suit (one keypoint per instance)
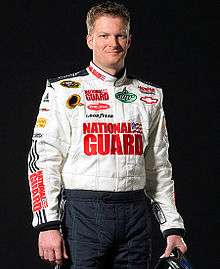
(98, 132)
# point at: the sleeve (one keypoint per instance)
(159, 183)
(50, 144)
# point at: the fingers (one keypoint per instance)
(65, 256)
(51, 247)
(41, 252)
(182, 248)
(174, 241)
(167, 251)
(58, 255)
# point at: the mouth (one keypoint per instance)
(115, 52)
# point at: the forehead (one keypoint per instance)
(108, 23)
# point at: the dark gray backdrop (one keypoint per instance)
(175, 46)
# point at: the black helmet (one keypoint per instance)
(176, 261)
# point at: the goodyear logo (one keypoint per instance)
(73, 101)
(70, 84)
(41, 122)
(126, 96)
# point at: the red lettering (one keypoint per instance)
(34, 192)
(103, 144)
(128, 143)
(138, 144)
(37, 207)
(129, 128)
(36, 199)
(124, 127)
(86, 128)
(38, 191)
(94, 128)
(101, 126)
(90, 148)
(110, 128)
(116, 128)
(116, 147)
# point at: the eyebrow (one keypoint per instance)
(104, 33)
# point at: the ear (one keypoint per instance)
(89, 40)
(129, 41)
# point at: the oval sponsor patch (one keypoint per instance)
(149, 100)
(98, 106)
(73, 101)
(41, 122)
(126, 96)
(146, 90)
(70, 84)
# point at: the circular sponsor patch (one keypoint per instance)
(41, 122)
(70, 84)
(73, 101)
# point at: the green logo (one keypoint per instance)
(126, 96)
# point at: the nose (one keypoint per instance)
(113, 42)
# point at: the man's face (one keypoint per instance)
(109, 41)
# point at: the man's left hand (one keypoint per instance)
(174, 241)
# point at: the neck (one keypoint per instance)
(110, 70)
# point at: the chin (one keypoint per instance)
(114, 61)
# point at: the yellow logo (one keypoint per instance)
(41, 122)
(73, 101)
(70, 84)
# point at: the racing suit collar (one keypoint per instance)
(101, 75)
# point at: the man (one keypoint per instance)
(101, 137)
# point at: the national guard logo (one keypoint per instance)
(73, 101)
(70, 84)
(126, 96)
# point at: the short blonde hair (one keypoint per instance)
(107, 8)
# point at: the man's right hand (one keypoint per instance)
(51, 246)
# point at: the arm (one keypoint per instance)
(159, 183)
(50, 144)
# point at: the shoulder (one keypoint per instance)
(81, 73)
(145, 86)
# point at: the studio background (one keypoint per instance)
(173, 46)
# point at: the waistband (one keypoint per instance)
(107, 196)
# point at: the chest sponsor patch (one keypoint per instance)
(41, 122)
(99, 115)
(125, 96)
(97, 95)
(124, 138)
(46, 98)
(44, 109)
(37, 135)
(149, 100)
(98, 106)
(70, 84)
(36, 182)
(146, 90)
(73, 101)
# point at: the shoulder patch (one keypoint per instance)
(144, 81)
(73, 75)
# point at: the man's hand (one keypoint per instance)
(174, 241)
(51, 246)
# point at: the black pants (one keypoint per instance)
(107, 229)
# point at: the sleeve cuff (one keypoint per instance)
(51, 225)
(174, 231)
